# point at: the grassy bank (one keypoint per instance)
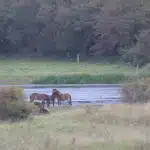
(110, 127)
(39, 71)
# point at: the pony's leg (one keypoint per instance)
(70, 102)
(58, 102)
(48, 103)
(53, 102)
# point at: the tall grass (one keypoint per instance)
(111, 127)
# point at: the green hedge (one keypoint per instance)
(83, 79)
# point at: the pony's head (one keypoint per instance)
(32, 98)
(55, 93)
(54, 90)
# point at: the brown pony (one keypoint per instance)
(42, 97)
(41, 105)
(61, 96)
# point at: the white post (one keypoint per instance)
(137, 67)
(78, 58)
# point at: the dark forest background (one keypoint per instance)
(63, 28)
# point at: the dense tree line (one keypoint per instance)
(66, 27)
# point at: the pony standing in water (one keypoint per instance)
(61, 96)
(42, 97)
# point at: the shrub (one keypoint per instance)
(136, 91)
(12, 104)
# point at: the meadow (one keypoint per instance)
(109, 127)
(62, 72)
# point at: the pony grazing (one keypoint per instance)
(42, 106)
(42, 97)
(61, 96)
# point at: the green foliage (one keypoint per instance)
(12, 104)
(64, 28)
(83, 79)
(139, 54)
(136, 91)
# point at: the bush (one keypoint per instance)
(137, 91)
(12, 104)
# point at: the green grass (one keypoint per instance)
(40, 71)
(110, 127)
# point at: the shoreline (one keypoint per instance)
(60, 85)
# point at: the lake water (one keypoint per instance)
(83, 95)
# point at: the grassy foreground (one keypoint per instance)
(38, 71)
(110, 127)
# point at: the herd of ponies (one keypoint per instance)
(44, 100)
